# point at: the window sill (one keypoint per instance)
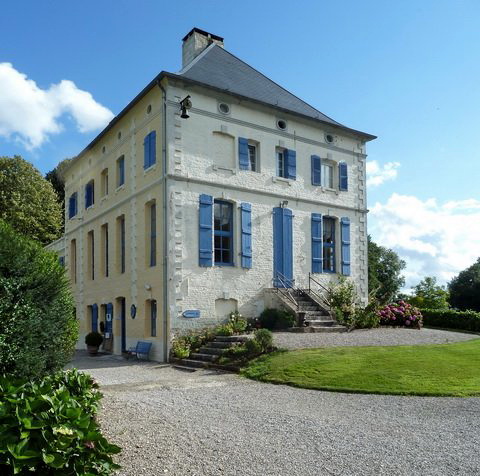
(105, 197)
(228, 169)
(330, 190)
(282, 180)
(225, 265)
(120, 188)
(149, 169)
(91, 207)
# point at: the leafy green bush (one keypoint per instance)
(224, 330)
(38, 329)
(265, 339)
(48, 427)
(180, 348)
(276, 319)
(253, 347)
(342, 298)
(452, 319)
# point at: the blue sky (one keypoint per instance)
(404, 71)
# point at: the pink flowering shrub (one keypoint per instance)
(400, 314)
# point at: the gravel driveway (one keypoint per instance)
(210, 423)
(369, 337)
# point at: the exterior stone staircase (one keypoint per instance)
(208, 355)
(310, 314)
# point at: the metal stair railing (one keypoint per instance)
(284, 286)
(319, 296)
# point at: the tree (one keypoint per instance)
(465, 288)
(429, 295)
(384, 272)
(38, 328)
(56, 177)
(27, 201)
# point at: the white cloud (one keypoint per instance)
(434, 239)
(30, 114)
(377, 174)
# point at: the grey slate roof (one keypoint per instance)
(220, 69)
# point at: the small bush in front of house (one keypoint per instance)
(224, 330)
(38, 328)
(265, 339)
(238, 323)
(48, 427)
(252, 324)
(276, 319)
(400, 314)
(180, 348)
(94, 339)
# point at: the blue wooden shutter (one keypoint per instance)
(71, 208)
(206, 230)
(291, 163)
(146, 152)
(277, 244)
(243, 160)
(288, 246)
(317, 242)
(345, 236)
(153, 147)
(246, 235)
(94, 318)
(343, 176)
(109, 323)
(316, 170)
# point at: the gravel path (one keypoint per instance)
(209, 423)
(369, 337)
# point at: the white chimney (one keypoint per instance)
(195, 42)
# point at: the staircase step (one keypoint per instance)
(230, 338)
(194, 363)
(211, 350)
(221, 345)
(328, 329)
(320, 322)
(203, 357)
(184, 368)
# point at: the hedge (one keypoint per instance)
(451, 319)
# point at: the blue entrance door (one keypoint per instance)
(282, 247)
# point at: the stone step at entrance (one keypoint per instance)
(209, 353)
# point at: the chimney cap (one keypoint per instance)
(202, 32)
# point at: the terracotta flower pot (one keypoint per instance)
(92, 350)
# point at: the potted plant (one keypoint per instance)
(93, 341)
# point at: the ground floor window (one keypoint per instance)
(223, 232)
(328, 245)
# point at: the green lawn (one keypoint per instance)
(439, 370)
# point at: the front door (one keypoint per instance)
(282, 248)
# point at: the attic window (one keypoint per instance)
(149, 109)
(224, 108)
(329, 138)
(282, 124)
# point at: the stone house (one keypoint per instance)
(213, 186)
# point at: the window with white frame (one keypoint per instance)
(281, 164)
(327, 175)
(328, 245)
(253, 157)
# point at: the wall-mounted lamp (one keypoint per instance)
(284, 203)
(185, 105)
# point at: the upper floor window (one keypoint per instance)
(120, 171)
(286, 163)
(281, 164)
(72, 205)
(121, 243)
(151, 233)
(223, 232)
(252, 157)
(89, 194)
(104, 182)
(149, 150)
(326, 175)
(328, 245)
